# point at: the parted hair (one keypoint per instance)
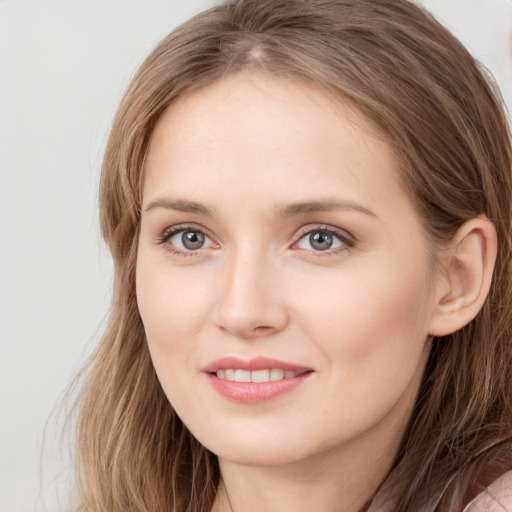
(443, 117)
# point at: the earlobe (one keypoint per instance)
(468, 267)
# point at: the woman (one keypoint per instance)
(308, 204)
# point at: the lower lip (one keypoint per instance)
(255, 392)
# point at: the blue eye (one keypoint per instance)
(320, 240)
(191, 240)
(186, 239)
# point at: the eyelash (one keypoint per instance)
(169, 232)
(347, 241)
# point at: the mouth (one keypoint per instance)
(256, 380)
(258, 376)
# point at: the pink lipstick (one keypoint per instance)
(255, 380)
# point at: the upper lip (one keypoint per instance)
(258, 363)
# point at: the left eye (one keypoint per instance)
(322, 240)
(190, 240)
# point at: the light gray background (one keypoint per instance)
(63, 67)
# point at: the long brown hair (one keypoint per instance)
(398, 66)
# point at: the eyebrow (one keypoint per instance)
(291, 210)
(324, 206)
(180, 206)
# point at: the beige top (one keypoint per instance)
(496, 498)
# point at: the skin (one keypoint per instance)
(359, 314)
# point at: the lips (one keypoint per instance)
(255, 380)
(258, 363)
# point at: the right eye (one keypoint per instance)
(185, 240)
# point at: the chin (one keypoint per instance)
(247, 448)
(256, 456)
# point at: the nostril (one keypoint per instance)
(260, 330)
(263, 329)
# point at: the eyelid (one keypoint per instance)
(347, 239)
(170, 231)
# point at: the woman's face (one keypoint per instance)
(283, 278)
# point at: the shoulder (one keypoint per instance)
(496, 498)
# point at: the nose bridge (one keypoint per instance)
(249, 302)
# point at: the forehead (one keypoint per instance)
(279, 136)
(240, 96)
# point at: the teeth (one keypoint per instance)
(260, 376)
(242, 376)
(276, 374)
(269, 375)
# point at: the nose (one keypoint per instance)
(251, 301)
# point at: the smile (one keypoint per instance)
(255, 380)
(268, 375)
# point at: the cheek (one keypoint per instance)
(369, 316)
(171, 303)
(372, 333)
(172, 306)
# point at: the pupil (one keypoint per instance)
(192, 239)
(321, 241)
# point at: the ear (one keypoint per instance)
(468, 266)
